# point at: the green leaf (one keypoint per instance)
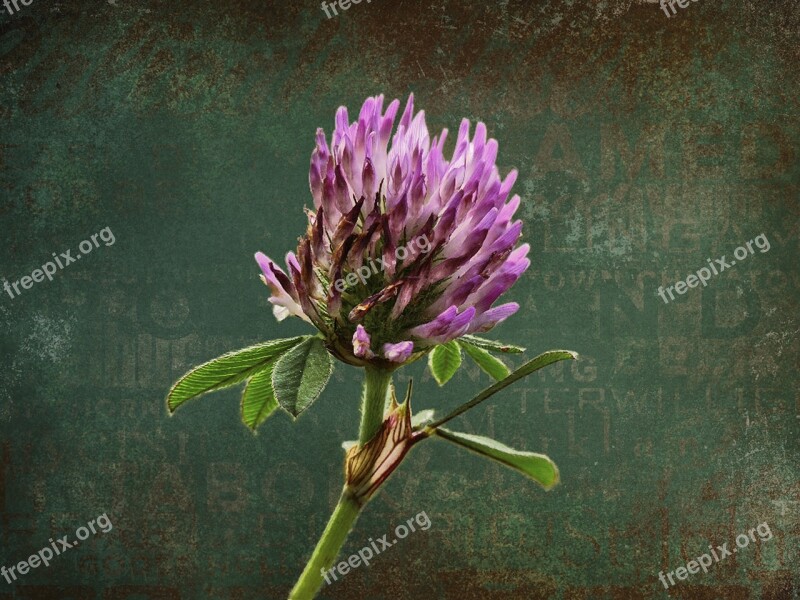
(491, 365)
(491, 345)
(229, 369)
(444, 361)
(301, 374)
(536, 466)
(547, 358)
(258, 400)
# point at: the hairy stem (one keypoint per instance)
(342, 520)
(376, 385)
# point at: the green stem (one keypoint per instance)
(342, 520)
(376, 384)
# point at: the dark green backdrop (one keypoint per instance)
(645, 145)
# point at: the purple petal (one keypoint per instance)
(458, 294)
(508, 183)
(399, 352)
(361, 342)
(462, 143)
(369, 184)
(486, 321)
(447, 326)
(469, 236)
(284, 295)
(319, 167)
(501, 280)
(405, 120)
(437, 325)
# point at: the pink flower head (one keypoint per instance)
(404, 249)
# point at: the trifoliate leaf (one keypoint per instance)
(535, 466)
(491, 345)
(494, 367)
(258, 399)
(301, 374)
(444, 361)
(229, 369)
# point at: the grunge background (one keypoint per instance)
(645, 145)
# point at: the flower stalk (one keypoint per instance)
(376, 387)
(373, 404)
(341, 522)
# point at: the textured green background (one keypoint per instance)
(645, 145)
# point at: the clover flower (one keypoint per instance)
(405, 249)
(406, 254)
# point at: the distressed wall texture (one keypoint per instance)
(645, 146)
